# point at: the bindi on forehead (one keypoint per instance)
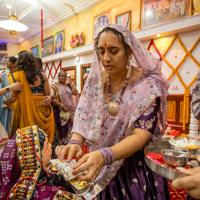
(105, 44)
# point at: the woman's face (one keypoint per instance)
(62, 77)
(46, 152)
(112, 53)
(8, 63)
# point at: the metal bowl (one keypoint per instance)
(159, 169)
(175, 158)
(179, 144)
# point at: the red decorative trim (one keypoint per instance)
(23, 180)
(41, 28)
(152, 43)
(4, 139)
(49, 69)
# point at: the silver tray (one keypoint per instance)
(160, 170)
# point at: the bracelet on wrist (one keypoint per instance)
(8, 89)
(75, 142)
(107, 155)
(62, 105)
(52, 97)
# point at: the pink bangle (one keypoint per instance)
(107, 155)
(75, 142)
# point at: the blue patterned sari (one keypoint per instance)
(5, 113)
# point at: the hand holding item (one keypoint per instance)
(70, 149)
(65, 108)
(47, 101)
(16, 86)
(69, 79)
(197, 138)
(190, 182)
(93, 163)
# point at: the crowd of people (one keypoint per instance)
(122, 108)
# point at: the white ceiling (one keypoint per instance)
(29, 11)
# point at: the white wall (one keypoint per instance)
(187, 70)
(69, 63)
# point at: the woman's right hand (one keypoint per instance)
(16, 86)
(70, 149)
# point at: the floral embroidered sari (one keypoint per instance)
(92, 123)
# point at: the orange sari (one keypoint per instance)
(31, 111)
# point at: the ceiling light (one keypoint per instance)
(8, 6)
(62, 2)
(12, 24)
(158, 35)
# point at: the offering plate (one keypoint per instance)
(167, 173)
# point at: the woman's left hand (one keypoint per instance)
(47, 101)
(93, 163)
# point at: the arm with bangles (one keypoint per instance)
(56, 102)
(94, 161)
(74, 89)
(14, 88)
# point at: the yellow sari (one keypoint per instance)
(31, 111)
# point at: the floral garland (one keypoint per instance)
(186, 111)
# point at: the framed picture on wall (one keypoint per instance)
(3, 57)
(124, 19)
(59, 41)
(100, 22)
(35, 51)
(160, 11)
(3, 46)
(48, 47)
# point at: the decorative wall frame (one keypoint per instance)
(3, 57)
(156, 12)
(59, 41)
(124, 19)
(3, 46)
(100, 22)
(85, 68)
(35, 51)
(48, 47)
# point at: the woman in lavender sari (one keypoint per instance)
(121, 109)
(64, 107)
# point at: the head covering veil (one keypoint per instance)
(24, 154)
(137, 97)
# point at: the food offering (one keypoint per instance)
(166, 158)
(82, 188)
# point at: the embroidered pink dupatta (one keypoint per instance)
(137, 97)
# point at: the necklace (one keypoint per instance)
(113, 107)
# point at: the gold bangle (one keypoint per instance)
(62, 105)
